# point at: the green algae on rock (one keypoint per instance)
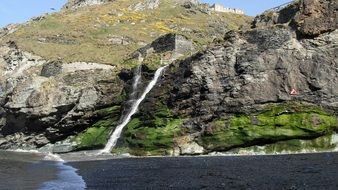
(276, 123)
(154, 136)
(325, 143)
(97, 135)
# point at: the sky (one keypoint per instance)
(19, 11)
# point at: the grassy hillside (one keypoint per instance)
(83, 34)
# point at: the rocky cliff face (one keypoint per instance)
(65, 76)
(274, 82)
(308, 18)
(45, 101)
(262, 86)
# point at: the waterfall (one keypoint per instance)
(137, 81)
(118, 130)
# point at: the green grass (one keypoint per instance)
(90, 28)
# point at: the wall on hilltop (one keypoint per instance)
(221, 8)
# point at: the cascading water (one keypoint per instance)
(117, 133)
(137, 78)
(137, 81)
(134, 93)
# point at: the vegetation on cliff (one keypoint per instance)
(275, 83)
(153, 135)
(110, 33)
(276, 123)
(98, 134)
(323, 143)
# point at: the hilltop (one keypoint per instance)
(109, 33)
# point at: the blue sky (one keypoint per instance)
(18, 11)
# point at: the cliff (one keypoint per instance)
(66, 86)
(308, 18)
(66, 73)
(274, 82)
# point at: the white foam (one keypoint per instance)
(24, 151)
(67, 179)
(53, 157)
(335, 141)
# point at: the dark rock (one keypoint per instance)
(268, 38)
(51, 69)
(316, 17)
(245, 75)
(168, 43)
(126, 75)
(309, 18)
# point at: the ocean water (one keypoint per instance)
(33, 170)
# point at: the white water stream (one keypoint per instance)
(117, 133)
(137, 81)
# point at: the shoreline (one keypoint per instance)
(282, 171)
(73, 157)
(68, 157)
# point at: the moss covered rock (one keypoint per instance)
(153, 135)
(97, 135)
(276, 123)
(324, 143)
(152, 140)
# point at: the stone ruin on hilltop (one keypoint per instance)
(221, 8)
